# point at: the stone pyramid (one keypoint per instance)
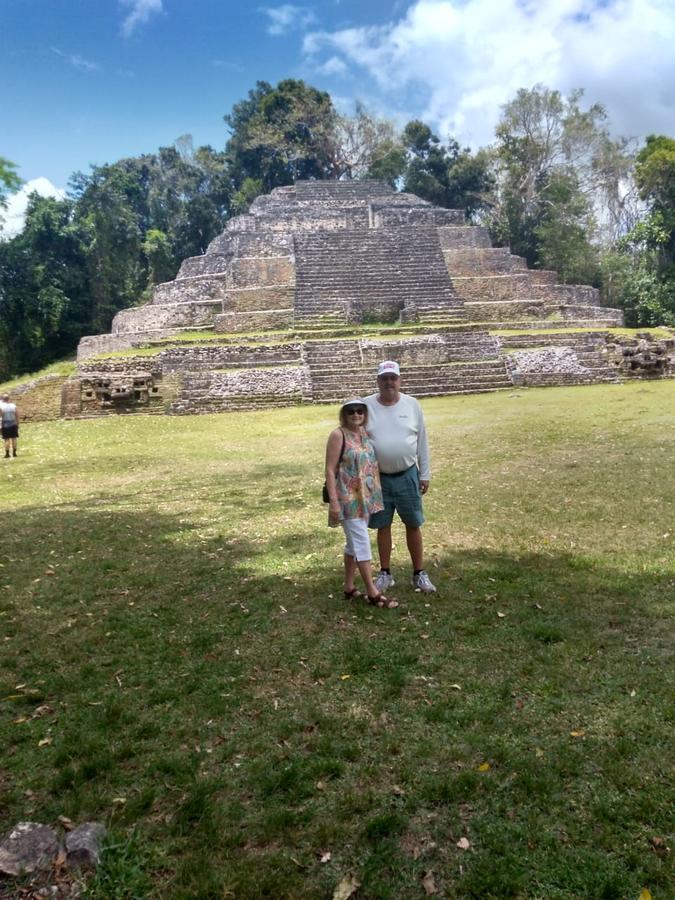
(298, 299)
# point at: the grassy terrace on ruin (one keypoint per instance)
(355, 332)
(172, 597)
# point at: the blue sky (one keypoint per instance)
(91, 81)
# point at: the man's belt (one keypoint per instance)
(397, 474)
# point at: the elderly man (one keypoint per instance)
(396, 426)
(10, 424)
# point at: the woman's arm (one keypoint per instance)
(333, 450)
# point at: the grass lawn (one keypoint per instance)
(176, 658)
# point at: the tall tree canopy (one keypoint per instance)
(281, 134)
(444, 174)
(9, 181)
(555, 162)
(44, 288)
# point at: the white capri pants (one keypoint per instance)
(357, 539)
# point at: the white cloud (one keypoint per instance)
(79, 62)
(333, 66)
(455, 62)
(287, 18)
(140, 13)
(17, 204)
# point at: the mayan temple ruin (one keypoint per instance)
(297, 300)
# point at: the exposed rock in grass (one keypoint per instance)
(83, 844)
(28, 847)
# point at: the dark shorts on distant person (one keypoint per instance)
(10, 431)
(401, 494)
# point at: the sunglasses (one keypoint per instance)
(355, 410)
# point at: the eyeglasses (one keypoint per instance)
(355, 411)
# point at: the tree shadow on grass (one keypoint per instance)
(150, 645)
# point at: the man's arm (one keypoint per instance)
(423, 456)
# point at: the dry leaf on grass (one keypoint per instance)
(577, 734)
(429, 884)
(645, 894)
(483, 767)
(347, 888)
(463, 843)
(324, 856)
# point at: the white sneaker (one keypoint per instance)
(383, 581)
(422, 582)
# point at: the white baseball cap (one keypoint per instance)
(388, 367)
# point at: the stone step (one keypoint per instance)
(442, 391)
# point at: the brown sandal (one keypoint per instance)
(354, 594)
(383, 602)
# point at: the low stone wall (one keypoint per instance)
(205, 358)
(123, 365)
(430, 349)
(257, 320)
(39, 400)
(592, 312)
(497, 311)
(219, 391)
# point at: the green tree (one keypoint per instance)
(655, 177)
(633, 278)
(157, 250)
(44, 289)
(558, 172)
(281, 134)
(362, 141)
(9, 182)
(443, 174)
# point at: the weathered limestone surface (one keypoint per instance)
(27, 847)
(84, 845)
(309, 262)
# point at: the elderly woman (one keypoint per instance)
(354, 492)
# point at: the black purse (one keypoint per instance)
(324, 490)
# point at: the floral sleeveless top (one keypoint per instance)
(358, 477)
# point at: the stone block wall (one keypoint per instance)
(198, 289)
(254, 271)
(482, 261)
(230, 356)
(260, 299)
(39, 400)
(256, 320)
(208, 264)
(210, 392)
(416, 215)
(119, 386)
(463, 236)
(515, 310)
(170, 317)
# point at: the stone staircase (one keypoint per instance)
(374, 272)
(448, 364)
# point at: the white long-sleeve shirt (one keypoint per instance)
(399, 435)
